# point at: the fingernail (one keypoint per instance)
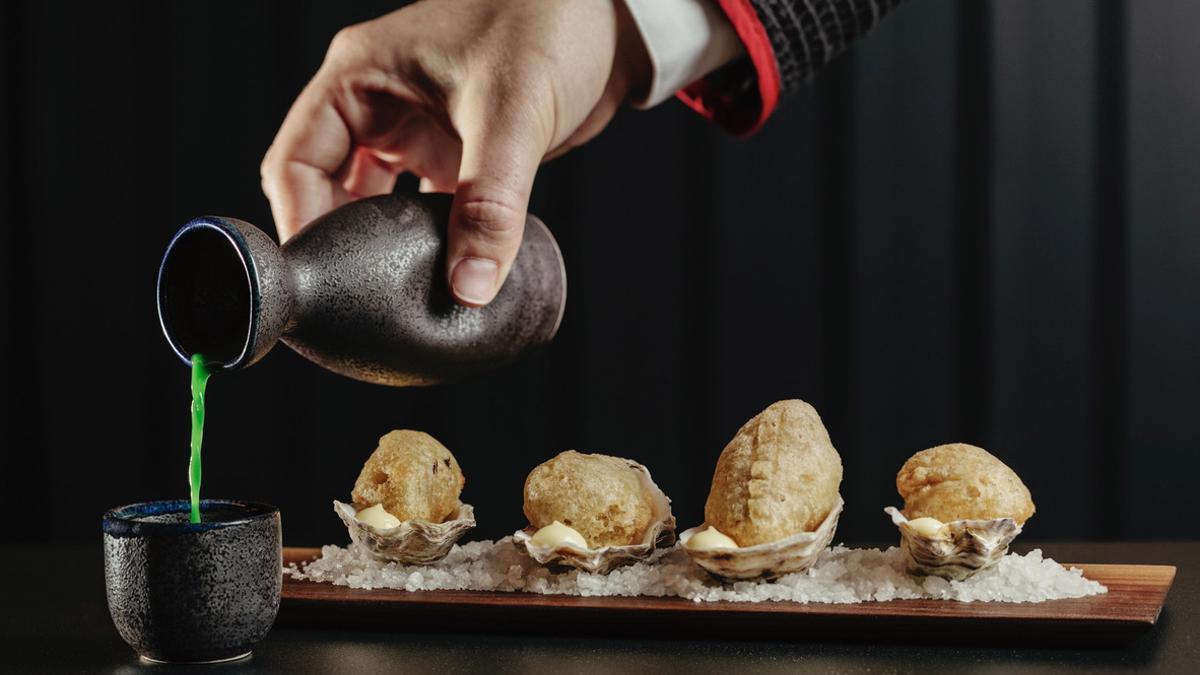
(474, 280)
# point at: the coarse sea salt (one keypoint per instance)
(842, 575)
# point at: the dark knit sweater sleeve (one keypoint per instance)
(787, 41)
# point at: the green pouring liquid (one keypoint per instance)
(200, 375)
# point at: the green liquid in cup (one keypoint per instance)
(200, 375)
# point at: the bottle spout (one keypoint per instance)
(221, 294)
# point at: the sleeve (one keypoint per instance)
(787, 42)
(684, 40)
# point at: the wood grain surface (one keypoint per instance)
(1136, 594)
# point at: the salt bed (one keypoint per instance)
(842, 575)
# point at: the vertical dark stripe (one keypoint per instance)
(164, 393)
(836, 183)
(701, 265)
(1111, 275)
(289, 65)
(25, 470)
(567, 350)
(972, 297)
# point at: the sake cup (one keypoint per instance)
(187, 592)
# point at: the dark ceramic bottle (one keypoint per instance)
(360, 291)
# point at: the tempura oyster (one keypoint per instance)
(962, 508)
(406, 503)
(774, 496)
(594, 512)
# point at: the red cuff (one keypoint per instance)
(740, 115)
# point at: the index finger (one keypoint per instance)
(299, 167)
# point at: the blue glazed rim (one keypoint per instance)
(123, 521)
(235, 237)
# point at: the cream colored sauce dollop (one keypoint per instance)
(929, 527)
(377, 517)
(710, 539)
(556, 534)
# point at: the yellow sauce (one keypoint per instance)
(928, 527)
(710, 539)
(556, 534)
(377, 517)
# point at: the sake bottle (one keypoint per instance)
(361, 291)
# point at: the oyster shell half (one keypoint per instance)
(412, 541)
(962, 548)
(656, 540)
(770, 560)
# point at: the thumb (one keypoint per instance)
(500, 156)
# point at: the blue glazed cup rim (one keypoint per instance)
(127, 520)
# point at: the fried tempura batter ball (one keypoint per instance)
(412, 475)
(961, 482)
(778, 477)
(601, 497)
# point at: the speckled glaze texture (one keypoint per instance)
(361, 291)
(186, 592)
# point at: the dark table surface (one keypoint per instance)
(55, 619)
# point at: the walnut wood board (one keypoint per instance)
(1135, 598)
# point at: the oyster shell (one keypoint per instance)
(412, 541)
(962, 548)
(658, 537)
(770, 560)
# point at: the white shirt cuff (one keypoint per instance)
(685, 39)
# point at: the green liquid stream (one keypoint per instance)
(200, 375)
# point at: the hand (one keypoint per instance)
(470, 95)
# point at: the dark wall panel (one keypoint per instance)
(1164, 267)
(1042, 242)
(904, 99)
(977, 225)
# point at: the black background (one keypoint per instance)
(980, 225)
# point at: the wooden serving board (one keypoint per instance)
(1135, 598)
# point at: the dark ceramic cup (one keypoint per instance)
(193, 592)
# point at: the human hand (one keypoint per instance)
(470, 95)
